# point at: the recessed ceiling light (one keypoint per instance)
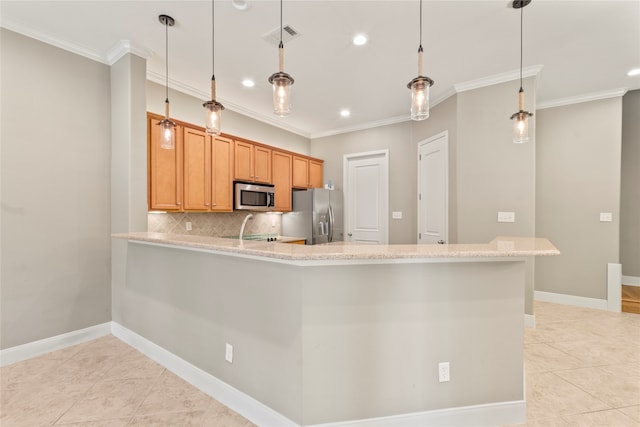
(248, 83)
(634, 72)
(360, 40)
(240, 4)
(345, 113)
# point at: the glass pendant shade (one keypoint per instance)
(281, 83)
(213, 115)
(167, 134)
(420, 97)
(521, 128)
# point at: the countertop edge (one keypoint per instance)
(500, 248)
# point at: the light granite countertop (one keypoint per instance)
(500, 247)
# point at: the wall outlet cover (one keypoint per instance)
(606, 217)
(396, 215)
(228, 355)
(506, 217)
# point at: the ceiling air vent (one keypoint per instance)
(288, 34)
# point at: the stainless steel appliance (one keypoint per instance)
(252, 197)
(316, 216)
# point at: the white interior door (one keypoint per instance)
(433, 189)
(366, 193)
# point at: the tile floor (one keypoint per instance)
(582, 369)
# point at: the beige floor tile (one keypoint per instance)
(32, 371)
(611, 418)
(108, 400)
(631, 411)
(602, 351)
(544, 357)
(227, 418)
(34, 405)
(550, 396)
(120, 422)
(135, 366)
(174, 419)
(616, 385)
(181, 397)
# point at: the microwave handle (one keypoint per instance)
(271, 200)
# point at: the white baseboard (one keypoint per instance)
(492, 414)
(631, 280)
(600, 304)
(529, 320)
(47, 345)
(243, 404)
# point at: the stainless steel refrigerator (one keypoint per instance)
(316, 216)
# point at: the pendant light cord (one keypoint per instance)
(166, 55)
(281, 23)
(420, 24)
(521, 20)
(213, 43)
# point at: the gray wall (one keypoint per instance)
(630, 185)
(55, 191)
(578, 176)
(494, 174)
(402, 169)
(189, 109)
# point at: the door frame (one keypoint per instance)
(345, 185)
(426, 141)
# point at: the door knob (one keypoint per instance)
(441, 242)
(349, 234)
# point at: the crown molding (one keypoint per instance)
(446, 95)
(497, 78)
(45, 38)
(124, 47)
(197, 93)
(587, 97)
(363, 126)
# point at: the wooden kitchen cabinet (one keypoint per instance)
(208, 185)
(281, 162)
(307, 172)
(315, 173)
(165, 175)
(252, 162)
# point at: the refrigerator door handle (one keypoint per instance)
(331, 222)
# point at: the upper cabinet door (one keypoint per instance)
(315, 174)
(197, 170)
(300, 172)
(165, 170)
(243, 170)
(282, 181)
(221, 174)
(262, 164)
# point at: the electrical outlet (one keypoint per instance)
(506, 217)
(606, 216)
(188, 224)
(396, 215)
(228, 355)
(443, 372)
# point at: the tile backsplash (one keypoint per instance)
(222, 224)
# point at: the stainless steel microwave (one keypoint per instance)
(252, 197)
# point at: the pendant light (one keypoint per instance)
(521, 118)
(213, 109)
(281, 82)
(168, 137)
(420, 86)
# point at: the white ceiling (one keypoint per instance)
(584, 47)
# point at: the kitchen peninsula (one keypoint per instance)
(340, 332)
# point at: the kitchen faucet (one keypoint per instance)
(244, 223)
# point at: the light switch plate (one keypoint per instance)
(396, 215)
(606, 217)
(506, 217)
